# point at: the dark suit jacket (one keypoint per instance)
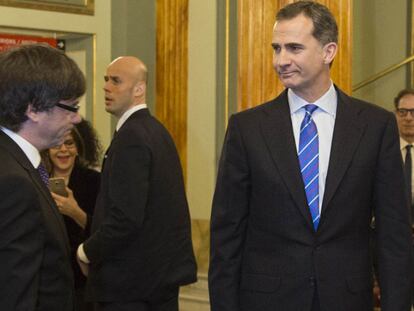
(84, 183)
(141, 235)
(265, 254)
(35, 272)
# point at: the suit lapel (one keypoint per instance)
(21, 158)
(137, 114)
(347, 134)
(278, 135)
(108, 150)
(41, 187)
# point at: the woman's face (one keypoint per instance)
(63, 156)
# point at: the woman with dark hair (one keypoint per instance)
(74, 161)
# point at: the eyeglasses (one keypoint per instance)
(403, 112)
(74, 108)
(69, 144)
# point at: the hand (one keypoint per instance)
(69, 206)
(84, 267)
(376, 294)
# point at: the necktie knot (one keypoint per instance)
(311, 108)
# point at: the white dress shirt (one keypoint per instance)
(128, 113)
(324, 118)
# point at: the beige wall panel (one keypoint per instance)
(380, 41)
(202, 107)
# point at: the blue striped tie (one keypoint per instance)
(309, 162)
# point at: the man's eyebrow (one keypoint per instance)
(293, 44)
(112, 77)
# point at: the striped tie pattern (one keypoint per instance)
(309, 162)
(43, 174)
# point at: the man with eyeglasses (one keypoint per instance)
(39, 91)
(404, 111)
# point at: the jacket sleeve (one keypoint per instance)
(229, 222)
(393, 227)
(129, 169)
(21, 246)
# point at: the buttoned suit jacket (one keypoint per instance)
(35, 271)
(140, 245)
(265, 254)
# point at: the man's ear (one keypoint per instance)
(140, 88)
(329, 52)
(31, 114)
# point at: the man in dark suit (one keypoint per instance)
(39, 92)
(140, 250)
(404, 111)
(299, 180)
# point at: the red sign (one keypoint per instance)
(8, 40)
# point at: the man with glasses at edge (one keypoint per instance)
(39, 91)
(404, 111)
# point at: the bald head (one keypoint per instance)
(133, 66)
(125, 84)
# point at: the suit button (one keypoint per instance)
(312, 281)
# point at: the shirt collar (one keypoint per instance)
(128, 113)
(327, 102)
(403, 143)
(29, 150)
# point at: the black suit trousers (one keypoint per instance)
(168, 303)
(315, 303)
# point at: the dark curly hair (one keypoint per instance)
(37, 75)
(88, 146)
(87, 143)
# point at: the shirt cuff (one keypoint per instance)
(82, 255)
